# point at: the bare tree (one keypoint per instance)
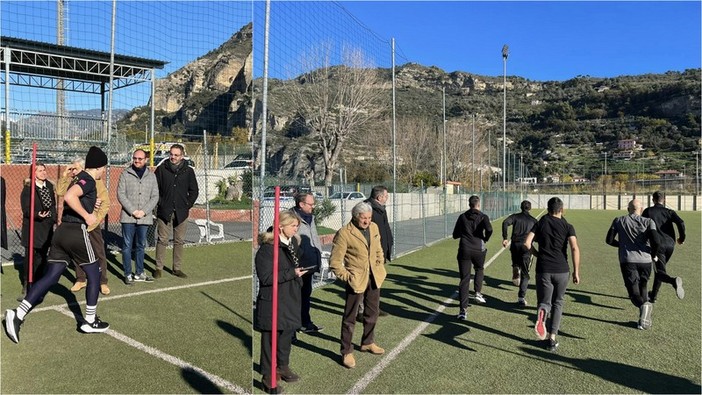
(417, 146)
(336, 102)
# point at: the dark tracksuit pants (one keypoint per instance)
(665, 251)
(476, 260)
(636, 281)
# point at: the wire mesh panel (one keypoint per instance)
(125, 75)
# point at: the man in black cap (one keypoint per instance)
(70, 242)
(521, 259)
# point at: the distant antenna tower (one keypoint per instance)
(61, 15)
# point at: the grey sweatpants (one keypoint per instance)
(550, 288)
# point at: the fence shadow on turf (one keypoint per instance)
(634, 377)
(199, 383)
(449, 332)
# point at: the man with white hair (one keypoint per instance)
(637, 240)
(357, 259)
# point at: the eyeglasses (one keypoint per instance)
(137, 158)
(309, 204)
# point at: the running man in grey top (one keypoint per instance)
(637, 240)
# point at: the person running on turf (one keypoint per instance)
(473, 228)
(553, 234)
(70, 242)
(521, 260)
(664, 219)
(637, 240)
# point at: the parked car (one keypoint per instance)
(347, 196)
(239, 164)
(284, 197)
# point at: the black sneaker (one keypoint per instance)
(551, 344)
(129, 280)
(96, 326)
(12, 325)
(462, 315)
(311, 328)
(382, 313)
(359, 317)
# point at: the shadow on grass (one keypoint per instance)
(199, 383)
(636, 378)
(578, 297)
(245, 338)
(449, 332)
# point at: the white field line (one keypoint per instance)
(361, 384)
(222, 383)
(146, 292)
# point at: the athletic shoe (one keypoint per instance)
(515, 276)
(522, 302)
(359, 317)
(96, 326)
(104, 289)
(382, 313)
(645, 319)
(129, 280)
(78, 286)
(180, 274)
(679, 291)
(651, 297)
(12, 325)
(552, 344)
(540, 327)
(462, 315)
(143, 278)
(480, 298)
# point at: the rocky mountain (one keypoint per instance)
(210, 93)
(660, 111)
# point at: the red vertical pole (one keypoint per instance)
(29, 260)
(274, 318)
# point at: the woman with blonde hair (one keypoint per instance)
(289, 297)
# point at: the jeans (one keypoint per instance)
(129, 231)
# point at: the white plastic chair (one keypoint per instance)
(206, 231)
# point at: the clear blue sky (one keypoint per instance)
(548, 40)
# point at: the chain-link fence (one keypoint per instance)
(125, 75)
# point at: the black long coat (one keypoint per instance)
(43, 227)
(289, 287)
(380, 217)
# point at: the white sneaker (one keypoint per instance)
(480, 298)
(522, 302)
(96, 326)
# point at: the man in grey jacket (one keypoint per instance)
(637, 240)
(137, 192)
(311, 248)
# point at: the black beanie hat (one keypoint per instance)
(95, 158)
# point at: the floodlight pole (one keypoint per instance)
(505, 53)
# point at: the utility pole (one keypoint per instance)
(505, 53)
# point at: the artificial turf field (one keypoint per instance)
(194, 335)
(495, 350)
(171, 336)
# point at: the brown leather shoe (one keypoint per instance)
(157, 273)
(373, 349)
(286, 374)
(266, 386)
(104, 289)
(180, 274)
(348, 360)
(78, 286)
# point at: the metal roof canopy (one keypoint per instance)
(43, 65)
